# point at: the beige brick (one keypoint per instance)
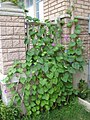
(9, 31)
(54, 11)
(13, 56)
(53, 3)
(1, 59)
(46, 7)
(13, 50)
(0, 44)
(85, 7)
(61, 8)
(8, 63)
(19, 24)
(9, 37)
(2, 23)
(16, 43)
(58, 5)
(22, 37)
(22, 55)
(19, 30)
(80, 2)
(4, 57)
(21, 20)
(15, 19)
(22, 43)
(4, 50)
(3, 31)
(50, 1)
(5, 18)
(22, 49)
(10, 24)
(6, 43)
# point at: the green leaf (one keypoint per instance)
(32, 104)
(69, 25)
(24, 65)
(33, 98)
(43, 103)
(73, 36)
(65, 77)
(47, 107)
(27, 87)
(78, 51)
(49, 75)
(31, 52)
(43, 82)
(32, 33)
(79, 59)
(34, 87)
(71, 70)
(49, 85)
(34, 42)
(51, 91)
(37, 112)
(45, 67)
(28, 73)
(45, 89)
(79, 42)
(34, 92)
(76, 65)
(59, 58)
(40, 60)
(37, 102)
(34, 109)
(36, 20)
(27, 93)
(70, 59)
(54, 81)
(41, 91)
(29, 18)
(72, 44)
(11, 85)
(22, 80)
(45, 97)
(26, 41)
(20, 70)
(76, 20)
(77, 31)
(78, 27)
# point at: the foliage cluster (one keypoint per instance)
(83, 89)
(9, 113)
(73, 111)
(46, 76)
(14, 1)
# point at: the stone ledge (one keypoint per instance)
(85, 104)
(12, 10)
(11, 14)
(68, 16)
(8, 8)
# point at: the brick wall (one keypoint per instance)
(54, 8)
(82, 8)
(85, 37)
(57, 8)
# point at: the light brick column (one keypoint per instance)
(12, 36)
(12, 33)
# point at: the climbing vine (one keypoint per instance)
(46, 76)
